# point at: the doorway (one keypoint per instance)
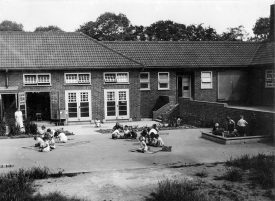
(184, 86)
(8, 106)
(116, 103)
(38, 106)
(78, 105)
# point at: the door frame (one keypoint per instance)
(1, 104)
(116, 102)
(78, 118)
(190, 88)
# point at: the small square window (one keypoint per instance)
(77, 78)
(116, 77)
(163, 81)
(37, 79)
(206, 80)
(144, 81)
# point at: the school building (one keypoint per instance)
(56, 75)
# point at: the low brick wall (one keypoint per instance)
(205, 114)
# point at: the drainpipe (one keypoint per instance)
(7, 78)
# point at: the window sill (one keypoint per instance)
(144, 89)
(163, 89)
(126, 83)
(35, 85)
(77, 84)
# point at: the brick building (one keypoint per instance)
(47, 73)
(50, 74)
(237, 73)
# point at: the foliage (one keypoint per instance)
(2, 128)
(177, 191)
(261, 29)
(15, 186)
(111, 27)
(30, 128)
(107, 26)
(18, 185)
(50, 28)
(261, 168)
(233, 174)
(166, 31)
(14, 130)
(234, 34)
(7, 25)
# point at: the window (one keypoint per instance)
(144, 81)
(206, 80)
(163, 81)
(37, 79)
(269, 79)
(77, 78)
(116, 78)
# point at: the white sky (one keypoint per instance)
(70, 14)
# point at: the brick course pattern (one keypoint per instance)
(97, 87)
(149, 97)
(202, 113)
(205, 94)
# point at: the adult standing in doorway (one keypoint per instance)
(19, 119)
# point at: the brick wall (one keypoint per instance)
(205, 94)
(259, 94)
(97, 88)
(148, 98)
(202, 113)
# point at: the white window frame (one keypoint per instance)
(272, 79)
(116, 82)
(147, 81)
(204, 82)
(77, 79)
(37, 83)
(168, 81)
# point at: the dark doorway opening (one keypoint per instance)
(38, 106)
(8, 107)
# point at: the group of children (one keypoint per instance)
(232, 129)
(148, 136)
(46, 139)
(120, 132)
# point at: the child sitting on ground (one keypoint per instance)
(52, 143)
(60, 137)
(127, 132)
(117, 126)
(38, 140)
(45, 147)
(217, 130)
(117, 134)
(159, 141)
(143, 147)
(97, 123)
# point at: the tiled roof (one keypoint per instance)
(190, 53)
(265, 54)
(26, 50)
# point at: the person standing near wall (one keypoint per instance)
(242, 126)
(19, 119)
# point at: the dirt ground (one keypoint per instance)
(138, 184)
(113, 172)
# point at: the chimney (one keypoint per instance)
(272, 22)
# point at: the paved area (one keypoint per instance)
(89, 151)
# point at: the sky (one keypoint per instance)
(70, 14)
